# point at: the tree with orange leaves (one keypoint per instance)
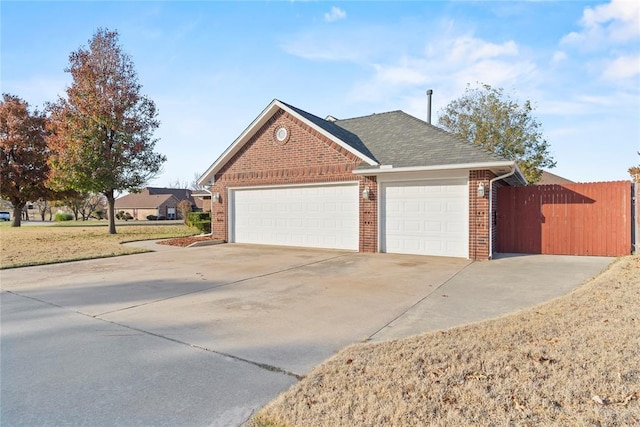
(23, 154)
(102, 132)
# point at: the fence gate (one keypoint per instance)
(568, 219)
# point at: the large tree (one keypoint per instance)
(487, 117)
(102, 132)
(23, 154)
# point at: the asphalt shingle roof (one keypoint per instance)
(401, 140)
(339, 132)
(142, 200)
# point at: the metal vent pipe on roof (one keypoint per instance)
(429, 93)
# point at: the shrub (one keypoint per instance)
(200, 220)
(63, 216)
(124, 215)
(184, 208)
(152, 217)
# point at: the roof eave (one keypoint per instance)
(498, 167)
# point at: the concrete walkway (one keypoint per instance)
(486, 290)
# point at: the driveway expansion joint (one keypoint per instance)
(260, 365)
(264, 366)
(370, 337)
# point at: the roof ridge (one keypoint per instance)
(370, 115)
(293, 107)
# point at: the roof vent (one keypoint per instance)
(331, 119)
(429, 93)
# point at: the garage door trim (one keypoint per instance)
(382, 207)
(232, 205)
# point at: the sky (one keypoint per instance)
(212, 67)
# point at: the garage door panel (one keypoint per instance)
(425, 217)
(433, 226)
(314, 216)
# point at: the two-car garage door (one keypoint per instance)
(425, 218)
(311, 216)
(416, 217)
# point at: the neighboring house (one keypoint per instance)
(179, 193)
(381, 183)
(549, 178)
(202, 199)
(161, 202)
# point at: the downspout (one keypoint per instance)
(498, 178)
(210, 206)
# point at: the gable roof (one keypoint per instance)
(179, 193)
(144, 201)
(320, 125)
(339, 132)
(385, 142)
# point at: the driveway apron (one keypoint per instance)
(205, 336)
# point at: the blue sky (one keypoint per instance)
(211, 67)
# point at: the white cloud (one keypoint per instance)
(400, 75)
(612, 23)
(447, 65)
(558, 57)
(357, 44)
(623, 67)
(335, 14)
(472, 49)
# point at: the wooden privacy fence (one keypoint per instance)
(568, 219)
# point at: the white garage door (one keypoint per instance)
(314, 216)
(425, 218)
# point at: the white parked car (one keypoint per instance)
(5, 216)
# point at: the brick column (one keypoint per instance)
(368, 215)
(479, 216)
(219, 228)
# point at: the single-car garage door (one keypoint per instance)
(425, 218)
(311, 216)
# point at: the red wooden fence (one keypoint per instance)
(567, 219)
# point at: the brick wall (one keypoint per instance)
(307, 157)
(479, 215)
(369, 215)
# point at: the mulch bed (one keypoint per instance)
(184, 241)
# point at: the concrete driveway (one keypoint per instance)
(205, 336)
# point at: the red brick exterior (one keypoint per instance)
(479, 215)
(307, 157)
(369, 215)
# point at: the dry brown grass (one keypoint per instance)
(36, 245)
(572, 361)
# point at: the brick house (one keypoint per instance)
(161, 202)
(381, 183)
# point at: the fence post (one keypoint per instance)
(635, 218)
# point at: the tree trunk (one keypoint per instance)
(17, 214)
(112, 211)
